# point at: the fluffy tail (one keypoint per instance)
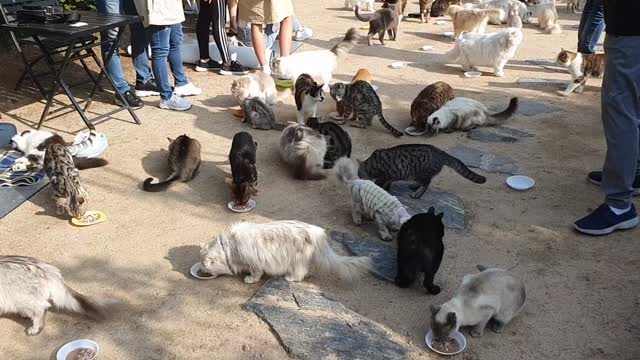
(347, 43)
(553, 29)
(65, 298)
(394, 131)
(346, 170)
(363, 18)
(348, 268)
(501, 117)
(89, 163)
(463, 170)
(161, 186)
(481, 268)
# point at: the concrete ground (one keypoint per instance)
(583, 300)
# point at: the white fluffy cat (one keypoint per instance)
(503, 5)
(492, 294)
(351, 4)
(465, 114)
(319, 63)
(303, 149)
(492, 49)
(279, 248)
(545, 11)
(258, 85)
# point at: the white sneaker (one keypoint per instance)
(187, 89)
(303, 33)
(175, 103)
(266, 69)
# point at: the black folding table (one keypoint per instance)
(73, 34)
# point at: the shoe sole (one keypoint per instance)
(165, 107)
(636, 191)
(201, 69)
(118, 103)
(146, 93)
(229, 73)
(187, 94)
(625, 225)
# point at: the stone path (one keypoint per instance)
(383, 256)
(498, 134)
(448, 203)
(532, 108)
(489, 162)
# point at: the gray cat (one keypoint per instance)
(30, 287)
(412, 162)
(259, 115)
(184, 163)
(381, 21)
(492, 294)
(361, 104)
(304, 148)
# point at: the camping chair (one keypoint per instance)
(53, 46)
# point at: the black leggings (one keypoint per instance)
(212, 13)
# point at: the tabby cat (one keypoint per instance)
(439, 7)
(425, 10)
(259, 115)
(361, 104)
(338, 140)
(580, 66)
(308, 94)
(412, 162)
(184, 163)
(430, 99)
(66, 190)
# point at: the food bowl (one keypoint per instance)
(91, 217)
(520, 182)
(448, 33)
(241, 209)
(426, 48)
(399, 65)
(441, 22)
(411, 130)
(66, 352)
(194, 272)
(428, 339)
(472, 74)
(284, 83)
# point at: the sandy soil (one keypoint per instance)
(583, 297)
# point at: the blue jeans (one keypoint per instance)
(621, 118)
(139, 44)
(166, 44)
(271, 32)
(591, 26)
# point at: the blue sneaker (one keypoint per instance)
(595, 177)
(603, 221)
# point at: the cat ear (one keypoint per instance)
(434, 309)
(440, 216)
(170, 139)
(255, 143)
(451, 318)
(431, 211)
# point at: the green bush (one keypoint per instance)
(79, 4)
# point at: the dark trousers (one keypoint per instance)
(214, 13)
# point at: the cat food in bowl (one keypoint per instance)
(472, 74)
(454, 345)
(399, 65)
(91, 217)
(83, 349)
(520, 182)
(241, 208)
(199, 273)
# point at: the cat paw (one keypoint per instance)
(249, 279)
(497, 326)
(563, 93)
(357, 222)
(500, 73)
(33, 331)
(416, 195)
(433, 289)
(475, 333)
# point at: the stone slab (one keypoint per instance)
(383, 257)
(489, 162)
(498, 134)
(448, 203)
(529, 107)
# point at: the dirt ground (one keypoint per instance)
(583, 300)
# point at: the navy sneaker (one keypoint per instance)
(595, 177)
(603, 221)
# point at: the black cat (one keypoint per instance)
(420, 249)
(242, 158)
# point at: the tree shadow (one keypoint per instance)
(182, 258)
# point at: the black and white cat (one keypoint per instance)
(308, 94)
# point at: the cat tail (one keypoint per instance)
(553, 29)
(348, 268)
(278, 126)
(363, 18)
(494, 13)
(83, 163)
(161, 186)
(346, 170)
(394, 131)
(462, 169)
(65, 298)
(499, 118)
(347, 43)
(481, 268)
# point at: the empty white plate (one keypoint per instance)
(426, 48)
(413, 132)
(448, 33)
(194, 272)
(472, 74)
(399, 65)
(441, 22)
(75, 345)
(520, 182)
(241, 209)
(428, 339)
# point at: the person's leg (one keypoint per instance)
(159, 38)
(202, 29)
(257, 38)
(233, 12)
(114, 68)
(286, 31)
(139, 45)
(591, 26)
(219, 19)
(270, 35)
(175, 55)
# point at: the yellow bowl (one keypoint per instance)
(91, 217)
(284, 83)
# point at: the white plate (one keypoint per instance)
(335, 116)
(472, 74)
(520, 182)
(413, 132)
(428, 339)
(448, 33)
(250, 205)
(374, 87)
(77, 344)
(426, 48)
(399, 65)
(194, 272)
(441, 22)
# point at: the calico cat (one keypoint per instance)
(258, 85)
(308, 94)
(581, 67)
(430, 99)
(66, 190)
(303, 149)
(492, 294)
(361, 104)
(242, 158)
(370, 200)
(338, 140)
(184, 163)
(259, 115)
(412, 162)
(381, 21)
(420, 249)
(466, 114)
(439, 7)
(30, 287)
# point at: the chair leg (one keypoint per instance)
(93, 78)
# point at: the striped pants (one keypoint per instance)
(212, 13)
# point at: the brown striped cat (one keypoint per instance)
(66, 190)
(580, 66)
(430, 99)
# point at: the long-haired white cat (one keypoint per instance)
(279, 248)
(503, 5)
(466, 114)
(29, 287)
(319, 63)
(257, 85)
(303, 149)
(545, 11)
(351, 4)
(492, 294)
(492, 49)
